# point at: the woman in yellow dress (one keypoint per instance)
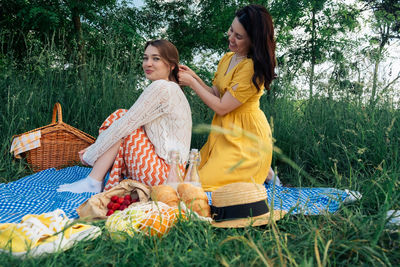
(242, 74)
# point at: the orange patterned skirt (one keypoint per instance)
(136, 158)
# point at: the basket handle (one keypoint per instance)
(57, 111)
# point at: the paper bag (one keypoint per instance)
(95, 208)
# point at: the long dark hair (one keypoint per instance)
(259, 27)
(169, 54)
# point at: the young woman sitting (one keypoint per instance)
(135, 143)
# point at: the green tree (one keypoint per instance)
(89, 11)
(193, 26)
(47, 19)
(386, 27)
(308, 31)
(118, 33)
(21, 20)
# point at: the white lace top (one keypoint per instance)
(164, 112)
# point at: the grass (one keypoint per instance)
(338, 143)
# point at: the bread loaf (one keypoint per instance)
(194, 198)
(166, 194)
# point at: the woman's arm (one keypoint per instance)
(186, 69)
(152, 103)
(221, 106)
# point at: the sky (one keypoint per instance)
(136, 3)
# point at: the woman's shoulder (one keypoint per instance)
(246, 64)
(166, 88)
(164, 84)
(227, 56)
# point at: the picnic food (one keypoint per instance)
(119, 203)
(96, 206)
(109, 212)
(159, 223)
(127, 222)
(166, 194)
(150, 218)
(194, 198)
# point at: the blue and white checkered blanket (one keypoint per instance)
(308, 201)
(36, 194)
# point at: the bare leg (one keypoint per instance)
(94, 181)
(104, 163)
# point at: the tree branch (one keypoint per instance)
(392, 82)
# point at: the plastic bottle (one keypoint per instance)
(175, 175)
(192, 174)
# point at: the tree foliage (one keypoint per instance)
(43, 20)
(386, 26)
(194, 25)
(310, 34)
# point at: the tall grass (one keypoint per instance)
(338, 143)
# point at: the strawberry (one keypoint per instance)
(114, 199)
(120, 200)
(109, 212)
(116, 206)
(122, 207)
(128, 197)
(110, 205)
(126, 202)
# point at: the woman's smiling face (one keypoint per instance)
(155, 68)
(239, 41)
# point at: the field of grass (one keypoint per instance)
(334, 144)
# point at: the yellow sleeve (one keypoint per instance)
(219, 70)
(243, 79)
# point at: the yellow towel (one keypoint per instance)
(24, 143)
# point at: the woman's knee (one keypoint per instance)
(119, 113)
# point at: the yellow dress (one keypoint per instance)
(233, 157)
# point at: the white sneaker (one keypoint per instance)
(394, 216)
(352, 196)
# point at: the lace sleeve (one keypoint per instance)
(152, 103)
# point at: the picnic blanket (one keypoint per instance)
(307, 201)
(36, 194)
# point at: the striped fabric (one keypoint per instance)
(136, 158)
(25, 142)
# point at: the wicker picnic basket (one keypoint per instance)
(59, 144)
